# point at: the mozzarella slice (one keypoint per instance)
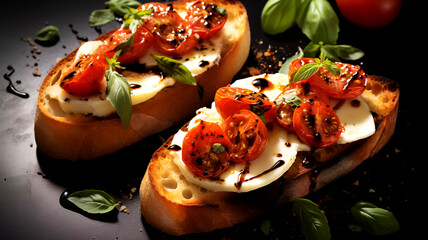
(356, 118)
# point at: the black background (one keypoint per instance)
(31, 183)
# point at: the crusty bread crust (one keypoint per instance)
(75, 137)
(177, 207)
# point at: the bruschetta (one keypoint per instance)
(265, 141)
(163, 63)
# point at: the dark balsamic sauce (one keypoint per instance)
(134, 86)
(76, 33)
(261, 84)
(246, 170)
(174, 147)
(10, 87)
(203, 63)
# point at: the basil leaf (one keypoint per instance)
(265, 227)
(47, 36)
(339, 52)
(218, 148)
(311, 50)
(305, 72)
(119, 95)
(175, 69)
(377, 221)
(120, 7)
(93, 201)
(278, 15)
(313, 222)
(292, 99)
(331, 67)
(100, 17)
(286, 66)
(318, 21)
(125, 45)
(221, 11)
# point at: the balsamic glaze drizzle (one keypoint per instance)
(10, 87)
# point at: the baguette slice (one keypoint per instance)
(177, 207)
(74, 136)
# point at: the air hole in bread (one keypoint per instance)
(54, 107)
(187, 193)
(165, 174)
(56, 77)
(169, 184)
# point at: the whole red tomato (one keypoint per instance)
(369, 13)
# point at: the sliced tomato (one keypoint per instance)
(205, 150)
(316, 124)
(229, 100)
(248, 135)
(172, 34)
(305, 91)
(349, 84)
(83, 79)
(206, 19)
(143, 39)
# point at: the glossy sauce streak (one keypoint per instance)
(134, 86)
(262, 84)
(174, 147)
(10, 87)
(244, 172)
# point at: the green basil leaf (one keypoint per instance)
(119, 95)
(313, 222)
(305, 72)
(311, 50)
(318, 21)
(125, 45)
(175, 69)
(221, 11)
(218, 148)
(93, 201)
(100, 17)
(278, 15)
(120, 7)
(342, 52)
(265, 227)
(47, 36)
(375, 220)
(292, 99)
(331, 67)
(286, 66)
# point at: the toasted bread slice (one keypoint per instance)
(175, 206)
(64, 135)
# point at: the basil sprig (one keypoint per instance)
(312, 221)
(114, 8)
(309, 69)
(93, 201)
(375, 220)
(133, 19)
(333, 52)
(316, 18)
(175, 69)
(118, 90)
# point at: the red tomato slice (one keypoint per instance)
(172, 34)
(143, 39)
(316, 124)
(205, 150)
(84, 78)
(248, 135)
(229, 100)
(305, 91)
(205, 19)
(349, 84)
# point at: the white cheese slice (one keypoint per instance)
(356, 118)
